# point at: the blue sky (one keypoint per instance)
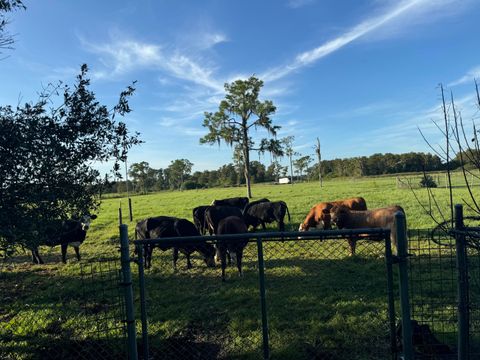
(360, 75)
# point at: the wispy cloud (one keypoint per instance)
(123, 55)
(468, 77)
(295, 4)
(420, 7)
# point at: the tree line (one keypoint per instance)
(179, 176)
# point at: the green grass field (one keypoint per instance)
(322, 303)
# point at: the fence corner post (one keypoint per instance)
(128, 293)
(402, 253)
(462, 286)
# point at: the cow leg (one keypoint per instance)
(189, 264)
(77, 252)
(239, 262)
(229, 258)
(223, 259)
(352, 242)
(64, 253)
(263, 226)
(147, 253)
(281, 225)
(175, 258)
(36, 259)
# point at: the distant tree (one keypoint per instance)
(142, 175)
(178, 171)
(6, 39)
(46, 157)
(237, 114)
(301, 164)
(288, 145)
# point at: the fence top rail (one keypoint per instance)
(273, 236)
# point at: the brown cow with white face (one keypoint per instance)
(346, 218)
(319, 215)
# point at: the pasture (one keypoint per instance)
(322, 303)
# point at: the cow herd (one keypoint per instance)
(231, 216)
(222, 217)
(238, 215)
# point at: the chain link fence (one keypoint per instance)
(436, 289)
(321, 303)
(48, 314)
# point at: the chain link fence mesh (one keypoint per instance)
(46, 313)
(433, 277)
(322, 303)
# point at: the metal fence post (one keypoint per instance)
(263, 302)
(462, 286)
(143, 302)
(390, 295)
(127, 284)
(402, 253)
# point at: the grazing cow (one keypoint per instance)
(214, 214)
(319, 215)
(345, 218)
(231, 225)
(266, 212)
(166, 226)
(68, 232)
(252, 203)
(199, 218)
(238, 202)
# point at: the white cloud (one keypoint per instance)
(414, 9)
(122, 56)
(468, 77)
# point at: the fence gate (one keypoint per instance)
(297, 299)
(79, 316)
(444, 285)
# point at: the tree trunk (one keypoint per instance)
(291, 170)
(246, 156)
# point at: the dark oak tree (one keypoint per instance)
(47, 152)
(238, 113)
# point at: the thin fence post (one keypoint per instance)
(402, 253)
(390, 295)
(130, 210)
(128, 293)
(263, 301)
(462, 286)
(143, 302)
(120, 220)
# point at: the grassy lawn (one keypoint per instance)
(321, 302)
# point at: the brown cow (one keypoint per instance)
(346, 218)
(319, 215)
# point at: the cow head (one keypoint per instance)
(85, 221)
(339, 216)
(209, 254)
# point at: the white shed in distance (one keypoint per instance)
(284, 180)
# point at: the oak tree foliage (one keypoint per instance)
(47, 152)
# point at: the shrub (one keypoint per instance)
(428, 182)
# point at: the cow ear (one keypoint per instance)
(93, 217)
(325, 211)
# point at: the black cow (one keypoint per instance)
(266, 212)
(167, 226)
(199, 218)
(64, 233)
(231, 225)
(214, 214)
(238, 202)
(252, 203)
